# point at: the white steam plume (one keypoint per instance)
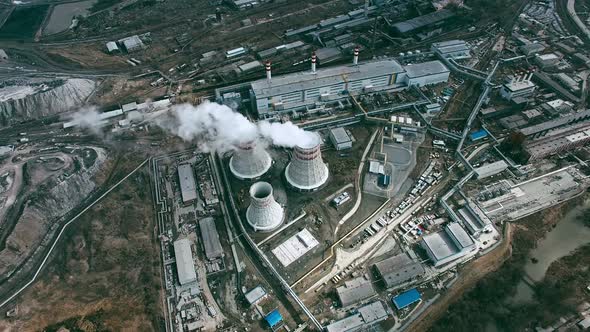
(216, 127)
(88, 118)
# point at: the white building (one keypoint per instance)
(452, 49)
(426, 73)
(518, 87)
(188, 187)
(448, 245)
(340, 139)
(490, 169)
(547, 60)
(112, 47)
(185, 265)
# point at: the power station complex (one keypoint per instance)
(308, 90)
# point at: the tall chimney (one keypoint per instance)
(355, 59)
(268, 75)
(313, 61)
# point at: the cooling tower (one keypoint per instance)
(264, 213)
(307, 170)
(249, 162)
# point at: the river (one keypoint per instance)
(568, 235)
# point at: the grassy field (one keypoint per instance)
(23, 22)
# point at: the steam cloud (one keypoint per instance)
(218, 128)
(88, 118)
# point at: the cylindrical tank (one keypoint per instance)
(307, 171)
(264, 213)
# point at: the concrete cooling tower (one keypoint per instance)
(307, 171)
(264, 213)
(250, 161)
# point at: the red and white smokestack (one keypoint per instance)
(355, 59)
(268, 74)
(313, 62)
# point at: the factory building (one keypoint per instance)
(543, 128)
(354, 291)
(532, 48)
(474, 219)
(547, 60)
(490, 169)
(255, 295)
(210, 238)
(406, 299)
(448, 245)
(421, 23)
(568, 82)
(112, 47)
(307, 170)
(132, 43)
(188, 187)
(365, 316)
(398, 269)
(185, 265)
(452, 49)
(340, 139)
(559, 140)
(518, 87)
(425, 73)
(304, 89)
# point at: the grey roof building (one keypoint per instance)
(421, 22)
(452, 49)
(184, 261)
(132, 43)
(354, 291)
(398, 269)
(448, 245)
(188, 187)
(255, 295)
(299, 90)
(340, 139)
(426, 73)
(490, 169)
(210, 238)
(365, 316)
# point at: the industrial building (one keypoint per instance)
(210, 238)
(132, 43)
(425, 73)
(365, 316)
(490, 169)
(295, 247)
(185, 265)
(304, 89)
(547, 60)
(452, 49)
(340, 139)
(518, 87)
(406, 299)
(474, 219)
(255, 295)
(354, 291)
(559, 140)
(543, 128)
(448, 245)
(112, 47)
(568, 82)
(264, 213)
(274, 319)
(307, 170)
(532, 48)
(188, 186)
(398, 269)
(423, 22)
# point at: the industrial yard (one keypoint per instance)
(330, 166)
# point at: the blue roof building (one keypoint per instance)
(274, 318)
(477, 135)
(406, 298)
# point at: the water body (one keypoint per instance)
(569, 234)
(62, 15)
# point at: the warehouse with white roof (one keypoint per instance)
(448, 245)
(185, 265)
